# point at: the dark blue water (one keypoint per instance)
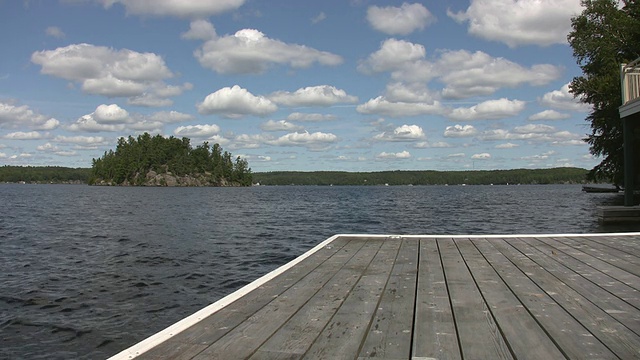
(88, 271)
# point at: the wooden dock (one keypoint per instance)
(427, 297)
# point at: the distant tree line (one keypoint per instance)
(516, 176)
(46, 174)
(43, 174)
(134, 158)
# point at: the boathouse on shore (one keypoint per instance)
(630, 117)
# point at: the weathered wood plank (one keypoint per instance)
(296, 336)
(604, 266)
(603, 280)
(628, 244)
(343, 336)
(478, 333)
(609, 303)
(434, 334)
(390, 334)
(572, 337)
(612, 256)
(615, 251)
(512, 317)
(174, 350)
(615, 336)
(263, 323)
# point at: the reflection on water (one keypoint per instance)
(88, 271)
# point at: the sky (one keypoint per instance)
(347, 85)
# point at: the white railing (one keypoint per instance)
(630, 77)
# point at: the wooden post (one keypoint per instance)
(627, 128)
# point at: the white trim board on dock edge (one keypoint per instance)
(451, 249)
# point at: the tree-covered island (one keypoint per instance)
(160, 161)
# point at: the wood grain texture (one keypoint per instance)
(511, 315)
(343, 336)
(390, 334)
(435, 334)
(601, 325)
(478, 332)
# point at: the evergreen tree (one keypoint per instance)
(604, 36)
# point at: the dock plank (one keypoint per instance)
(603, 299)
(511, 316)
(616, 251)
(622, 243)
(604, 280)
(435, 335)
(600, 324)
(344, 334)
(604, 253)
(390, 333)
(630, 244)
(574, 340)
(297, 335)
(478, 333)
(626, 277)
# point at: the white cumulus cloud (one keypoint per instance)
(549, 115)
(402, 133)
(488, 110)
(249, 51)
(200, 30)
(298, 116)
(506, 146)
(13, 116)
(313, 141)
(105, 118)
(399, 155)
(534, 128)
(457, 131)
(235, 102)
(401, 20)
(393, 55)
(21, 135)
(197, 131)
(169, 117)
(383, 106)
(281, 125)
(467, 74)
(81, 140)
(322, 95)
(481, 156)
(183, 9)
(463, 73)
(111, 114)
(520, 22)
(113, 73)
(563, 100)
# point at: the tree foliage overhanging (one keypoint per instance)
(605, 36)
(134, 158)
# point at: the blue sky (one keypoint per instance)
(295, 85)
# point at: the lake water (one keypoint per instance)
(88, 271)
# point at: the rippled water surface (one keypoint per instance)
(88, 271)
